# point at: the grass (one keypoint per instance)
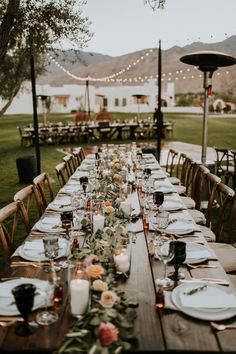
(187, 128)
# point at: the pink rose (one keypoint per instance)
(107, 334)
(95, 271)
(108, 298)
(89, 260)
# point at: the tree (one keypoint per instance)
(36, 27)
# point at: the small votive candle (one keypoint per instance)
(79, 296)
(122, 261)
(98, 222)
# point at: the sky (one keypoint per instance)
(125, 26)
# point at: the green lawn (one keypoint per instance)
(187, 128)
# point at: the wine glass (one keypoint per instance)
(179, 258)
(164, 250)
(46, 316)
(24, 298)
(158, 198)
(84, 183)
(51, 250)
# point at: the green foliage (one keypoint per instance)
(39, 27)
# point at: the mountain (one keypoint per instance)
(85, 64)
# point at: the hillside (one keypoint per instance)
(98, 65)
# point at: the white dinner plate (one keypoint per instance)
(36, 251)
(7, 305)
(63, 204)
(48, 227)
(209, 314)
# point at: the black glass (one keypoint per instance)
(84, 182)
(179, 258)
(66, 219)
(24, 298)
(158, 198)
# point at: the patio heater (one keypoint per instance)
(207, 62)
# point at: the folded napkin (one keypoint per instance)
(158, 175)
(51, 220)
(170, 205)
(195, 251)
(79, 174)
(34, 245)
(208, 298)
(152, 166)
(70, 188)
(62, 202)
(182, 226)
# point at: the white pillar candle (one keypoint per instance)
(126, 207)
(79, 296)
(122, 262)
(98, 222)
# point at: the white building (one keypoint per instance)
(117, 98)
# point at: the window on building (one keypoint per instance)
(116, 102)
(124, 102)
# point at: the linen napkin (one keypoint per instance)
(171, 204)
(51, 220)
(182, 226)
(61, 202)
(195, 251)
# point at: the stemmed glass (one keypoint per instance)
(164, 248)
(84, 183)
(51, 250)
(46, 316)
(179, 258)
(24, 298)
(158, 199)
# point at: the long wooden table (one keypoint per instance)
(157, 331)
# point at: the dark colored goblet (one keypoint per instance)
(24, 298)
(158, 198)
(147, 172)
(84, 182)
(66, 219)
(179, 258)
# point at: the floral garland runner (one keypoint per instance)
(107, 326)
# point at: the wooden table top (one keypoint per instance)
(166, 331)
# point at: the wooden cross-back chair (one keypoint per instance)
(30, 202)
(70, 164)
(170, 162)
(231, 174)
(224, 160)
(43, 183)
(225, 249)
(79, 155)
(11, 216)
(218, 208)
(62, 173)
(187, 163)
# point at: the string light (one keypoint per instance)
(115, 77)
